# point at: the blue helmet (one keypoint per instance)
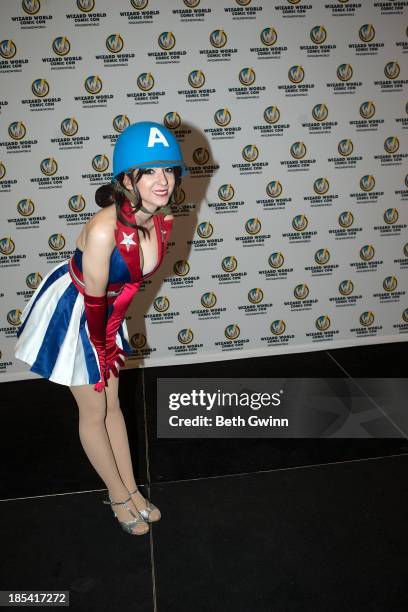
(146, 144)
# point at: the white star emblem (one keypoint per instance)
(128, 240)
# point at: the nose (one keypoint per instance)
(162, 178)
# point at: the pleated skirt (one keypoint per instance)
(53, 338)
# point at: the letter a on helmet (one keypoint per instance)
(156, 136)
(146, 145)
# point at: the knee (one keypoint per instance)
(113, 406)
(92, 417)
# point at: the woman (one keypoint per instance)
(73, 328)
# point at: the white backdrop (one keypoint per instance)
(291, 230)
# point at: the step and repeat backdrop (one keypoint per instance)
(290, 230)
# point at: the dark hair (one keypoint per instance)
(111, 193)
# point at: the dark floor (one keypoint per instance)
(249, 525)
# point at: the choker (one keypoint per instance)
(127, 212)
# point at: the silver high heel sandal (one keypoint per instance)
(128, 526)
(147, 511)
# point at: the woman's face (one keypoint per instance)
(155, 186)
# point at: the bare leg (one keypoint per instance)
(96, 444)
(116, 428)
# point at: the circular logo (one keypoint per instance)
(196, 79)
(13, 317)
(114, 43)
(218, 39)
(298, 150)
(255, 295)
(346, 287)
(145, 81)
(86, 6)
(172, 120)
(40, 88)
(390, 284)
(247, 77)
(320, 112)
(185, 336)
(7, 246)
(253, 226)
(346, 219)
(271, 114)
(25, 207)
(366, 32)
(318, 35)
(166, 41)
(322, 323)
(76, 203)
(243, 2)
(300, 223)
(31, 7)
(250, 153)
(405, 315)
(232, 331)
(201, 156)
(120, 123)
(390, 216)
(405, 249)
(344, 72)
(392, 70)
(391, 144)
(296, 74)
(367, 318)
(139, 5)
(161, 303)
(222, 117)
(301, 291)
(229, 263)
(226, 192)
(321, 186)
(2, 171)
(274, 189)
(49, 166)
(345, 147)
(56, 242)
(208, 299)
(278, 327)
(268, 37)
(93, 84)
(322, 257)
(191, 3)
(69, 126)
(367, 182)
(17, 130)
(7, 49)
(33, 280)
(138, 341)
(205, 229)
(276, 260)
(100, 163)
(61, 45)
(181, 268)
(367, 109)
(367, 252)
(179, 195)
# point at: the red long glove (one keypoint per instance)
(96, 313)
(115, 356)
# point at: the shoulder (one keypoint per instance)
(168, 218)
(100, 229)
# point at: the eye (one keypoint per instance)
(170, 169)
